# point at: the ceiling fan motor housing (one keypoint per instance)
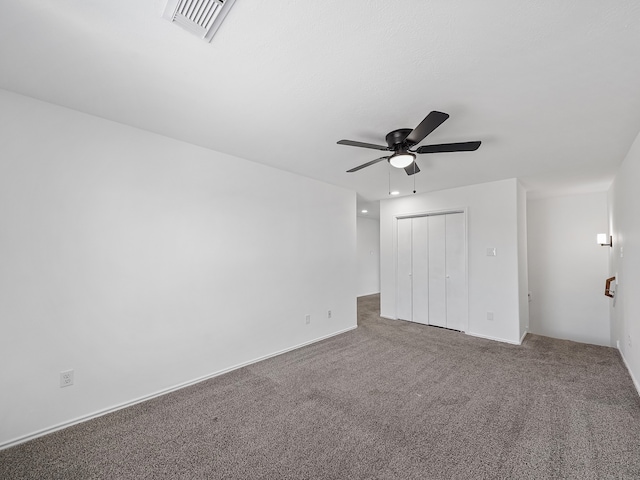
(396, 139)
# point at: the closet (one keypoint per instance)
(431, 270)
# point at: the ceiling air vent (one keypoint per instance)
(200, 17)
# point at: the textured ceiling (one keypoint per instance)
(551, 88)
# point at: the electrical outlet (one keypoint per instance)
(328, 313)
(490, 316)
(307, 319)
(66, 378)
(629, 340)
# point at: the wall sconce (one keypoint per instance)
(605, 240)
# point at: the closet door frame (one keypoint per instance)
(463, 210)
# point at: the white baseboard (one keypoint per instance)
(496, 339)
(388, 318)
(368, 294)
(120, 406)
(523, 335)
(624, 360)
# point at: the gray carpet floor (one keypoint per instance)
(389, 400)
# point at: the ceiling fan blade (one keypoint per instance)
(412, 169)
(449, 147)
(359, 167)
(428, 125)
(353, 143)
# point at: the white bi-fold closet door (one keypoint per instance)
(431, 270)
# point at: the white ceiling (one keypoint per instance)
(551, 88)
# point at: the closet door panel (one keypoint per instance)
(437, 271)
(404, 284)
(456, 272)
(420, 270)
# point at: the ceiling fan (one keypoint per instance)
(402, 140)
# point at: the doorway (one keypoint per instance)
(431, 270)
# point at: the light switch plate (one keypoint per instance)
(491, 252)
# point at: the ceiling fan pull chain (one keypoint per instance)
(414, 177)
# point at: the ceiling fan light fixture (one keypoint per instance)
(402, 159)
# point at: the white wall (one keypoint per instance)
(624, 199)
(491, 222)
(568, 269)
(523, 266)
(368, 256)
(142, 262)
